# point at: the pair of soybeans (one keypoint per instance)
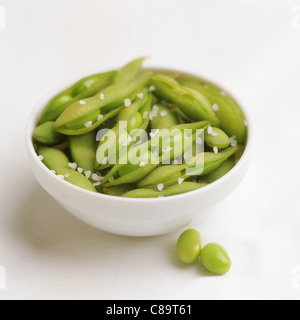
(213, 256)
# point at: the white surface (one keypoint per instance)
(252, 48)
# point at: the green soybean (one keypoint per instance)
(46, 134)
(189, 246)
(163, 117)
(215, 259)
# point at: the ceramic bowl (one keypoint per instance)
(135, 217)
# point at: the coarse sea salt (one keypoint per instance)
(100, 117)
(41, 158)
(127, 103)
(102, 97)
(80, 170)
(215, 107)
(87, 174)
(140, 95)
(73, 165)
(152, 88)
(164, 113)
(153, 133)
(96, 177)
(180, 180)
(233, 141)
(88, 124)
(216, 150)
(145, 115)
(82, 102)
(160, 187)
(96, 184)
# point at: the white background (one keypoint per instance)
(252, 48)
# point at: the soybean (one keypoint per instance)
(215, 259)
(189, 246)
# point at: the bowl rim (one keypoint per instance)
(37, 110)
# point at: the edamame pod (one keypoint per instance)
(162, 175)
(83, 89)
(129, 72)
(218, 173)
(162, 117)
(215, 137)
(227, 111)
(118, 191)
(193, 104)
(56, 160)
(45, 134)
(212, 161)
(131, 177)
(174, 174)
(172, 191)
(83, 150)
(76, 117)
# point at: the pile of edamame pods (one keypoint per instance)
(68, 140)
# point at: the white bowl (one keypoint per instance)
(134, 217)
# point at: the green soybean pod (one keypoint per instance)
(227, 111)
(83, 150)
(129, 72)
(83, 89)
(191, 102)
(189, 246)
(45, 134)
(81, 115)
(224, 168)
(56, 160)
(171, 191)
(215, 259)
